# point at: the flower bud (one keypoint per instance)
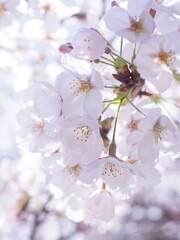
(66, 48)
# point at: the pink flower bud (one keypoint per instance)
(107, 50)
(114, 4)
(66, 48)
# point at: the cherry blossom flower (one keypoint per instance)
(116, 174)
(48, 101)
(33, 129)
(100, 205)
(87, 44)
(82, 132)
(136, 24)
(80, 93)
(151, 174)
(152, 131)
(8, 12)
(48, 11)
(157, 58)
(65, 177)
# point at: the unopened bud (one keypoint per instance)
(152, 12)
(107, 50)
(114, 4)
(96, 61)
(66, 48)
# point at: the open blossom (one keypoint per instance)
(33, 128)
(136, 24)
(100, 205)
(151, 174)
(152, 131)
(87, 44)
(62, 175)
(157, 58)
(116, 174)
(48, 101)
(80, 93)
(82, 132)
(48, 11)
(8, 11)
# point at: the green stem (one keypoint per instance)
(108, 101)
(134, 54)
(112, 57)
(106, 108)
(135, 107)
(115, 124)
(107, 63)
(121, 58)
(111, 87)
(107, 59)
(121, 46)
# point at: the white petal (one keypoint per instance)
(116, 19)
(96, 80)
(161, 83)
(148, 149)
(93, 103)
(134, 137)
(136, 7)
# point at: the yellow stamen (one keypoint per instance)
(165, 57)
(74, 170)
(136, 25)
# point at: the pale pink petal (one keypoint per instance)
(136, 7)
(148, 148)
(96, 80)
(144, 34)
(161, 83)
(116, 19)
(91, 172)
(93, 103)
(134, 137)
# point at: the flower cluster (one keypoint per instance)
(102, 127)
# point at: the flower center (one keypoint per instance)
(133, 125)
(132, 161)
(110, 169)
(166, 58)
(158, 130)
(78, 86)
(136, 25)
(39, 126)
(82, 132)
(46, 8)
(73, 171)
